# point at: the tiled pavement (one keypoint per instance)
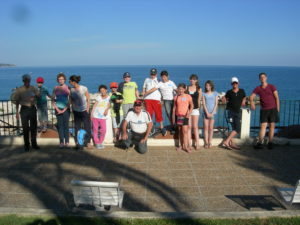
(162, 180)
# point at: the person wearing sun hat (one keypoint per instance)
(26, 96)
(140, 127)
(116, 100)
(235, 99)
(42, 108)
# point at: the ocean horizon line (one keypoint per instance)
(151, 65)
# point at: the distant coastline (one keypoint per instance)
(7, 65)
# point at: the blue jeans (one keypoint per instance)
(42, 111)
(234, 120)
(63, 126)
(168, 106)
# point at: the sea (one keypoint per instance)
(286, 79)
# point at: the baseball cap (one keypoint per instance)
(153, 71)
(26, 77)
(138, 103)
(126, 74)
(113, 85)
(40, 80)
(234, 79)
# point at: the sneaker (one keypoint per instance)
(77, 147)
(99, 146)
(258, 145)
(26, 148)
(164, 131)
(35, 146)
(270, 145)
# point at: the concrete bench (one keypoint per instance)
(101, 195)
(290, 195)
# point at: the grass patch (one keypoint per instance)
(30, 220)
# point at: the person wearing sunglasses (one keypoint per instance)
(235, 98)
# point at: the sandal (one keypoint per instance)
(226, 146)
(235, 147)
(188, 150)
(178, 149)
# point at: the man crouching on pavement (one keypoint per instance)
(140, 127)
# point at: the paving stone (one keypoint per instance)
(153, 173)
(186, 173)
(218, 191)
(153, 182)
(160, 180)
(180, 166)
(219, 203)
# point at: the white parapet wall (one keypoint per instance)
(109, 131)
(18, 141)
(245, 124)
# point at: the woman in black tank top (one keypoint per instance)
(196, 93)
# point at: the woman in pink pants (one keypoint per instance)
(99, 115)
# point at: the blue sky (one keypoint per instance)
(140, 32)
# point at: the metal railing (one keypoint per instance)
(289, 115)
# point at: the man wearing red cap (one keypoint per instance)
(41, 103)
(140, 124)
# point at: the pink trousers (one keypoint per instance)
(99, 135)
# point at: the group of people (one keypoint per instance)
(131, 122)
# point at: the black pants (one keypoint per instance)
(29, 123)
(82, 118)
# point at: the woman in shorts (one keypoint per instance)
(183, 107)
(196, 93)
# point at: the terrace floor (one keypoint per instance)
(162, 180)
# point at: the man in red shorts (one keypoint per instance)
(152, 98)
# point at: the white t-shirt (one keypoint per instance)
(78, 98)
(102, 104)
(139, 122)
(167, 89)
(149, 84)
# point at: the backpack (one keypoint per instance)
(81, 137)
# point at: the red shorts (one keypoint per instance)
(154, 106)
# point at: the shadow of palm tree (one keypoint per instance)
(266, 170)
(46, 175)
